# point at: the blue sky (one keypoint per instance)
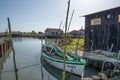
(28, 15)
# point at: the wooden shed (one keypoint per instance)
(102, 30)
(53, 33)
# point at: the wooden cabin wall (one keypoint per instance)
(104, 35)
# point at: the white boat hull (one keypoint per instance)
(72, 68)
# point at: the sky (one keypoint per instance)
(37, 15)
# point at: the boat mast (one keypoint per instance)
(65, 36)
(77, 44)
(71, 19)
(58, 32)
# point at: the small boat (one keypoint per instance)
(55, 72)
(54, 56)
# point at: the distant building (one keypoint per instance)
(52, 32)
(102, 30)
(74, 33)
(82, 32)
(77, 33)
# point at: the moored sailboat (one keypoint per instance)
(54, 56)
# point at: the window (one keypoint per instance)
(119, 18)
(56, 33)
(52, 32)
(96, 21)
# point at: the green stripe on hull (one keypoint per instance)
(61, 61)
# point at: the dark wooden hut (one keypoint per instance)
(102, 30)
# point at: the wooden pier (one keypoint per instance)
(107, 62)
(5, 49)
(97, 58)
(5, 45)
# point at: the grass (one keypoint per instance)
(71, 44)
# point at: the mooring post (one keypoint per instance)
(14, 61)
(102, 67)
(115, 67)
(7, 45)
(5, 48)
(2, 50)
(65, 36)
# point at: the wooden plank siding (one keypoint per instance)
(102, 36)
(5, 45)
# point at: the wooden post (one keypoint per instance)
(102, 66)
(10, 37)
(117, 60)
(5, 48)
(0, 50)
(70, 20)
(1, 65)
(65, 36)
(7, 45)
(58, 35)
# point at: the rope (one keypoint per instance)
(21, 68)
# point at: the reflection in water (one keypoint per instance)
(3, 60)
(42, 73)
(17, 39)
(27, 57)
(57, 73)
(28, 52)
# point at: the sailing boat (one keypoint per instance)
(54, 56)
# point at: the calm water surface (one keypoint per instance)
(31, 66)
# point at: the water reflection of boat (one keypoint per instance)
(54, 56)
(57, 73)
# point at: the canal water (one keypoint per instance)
(30, 64)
